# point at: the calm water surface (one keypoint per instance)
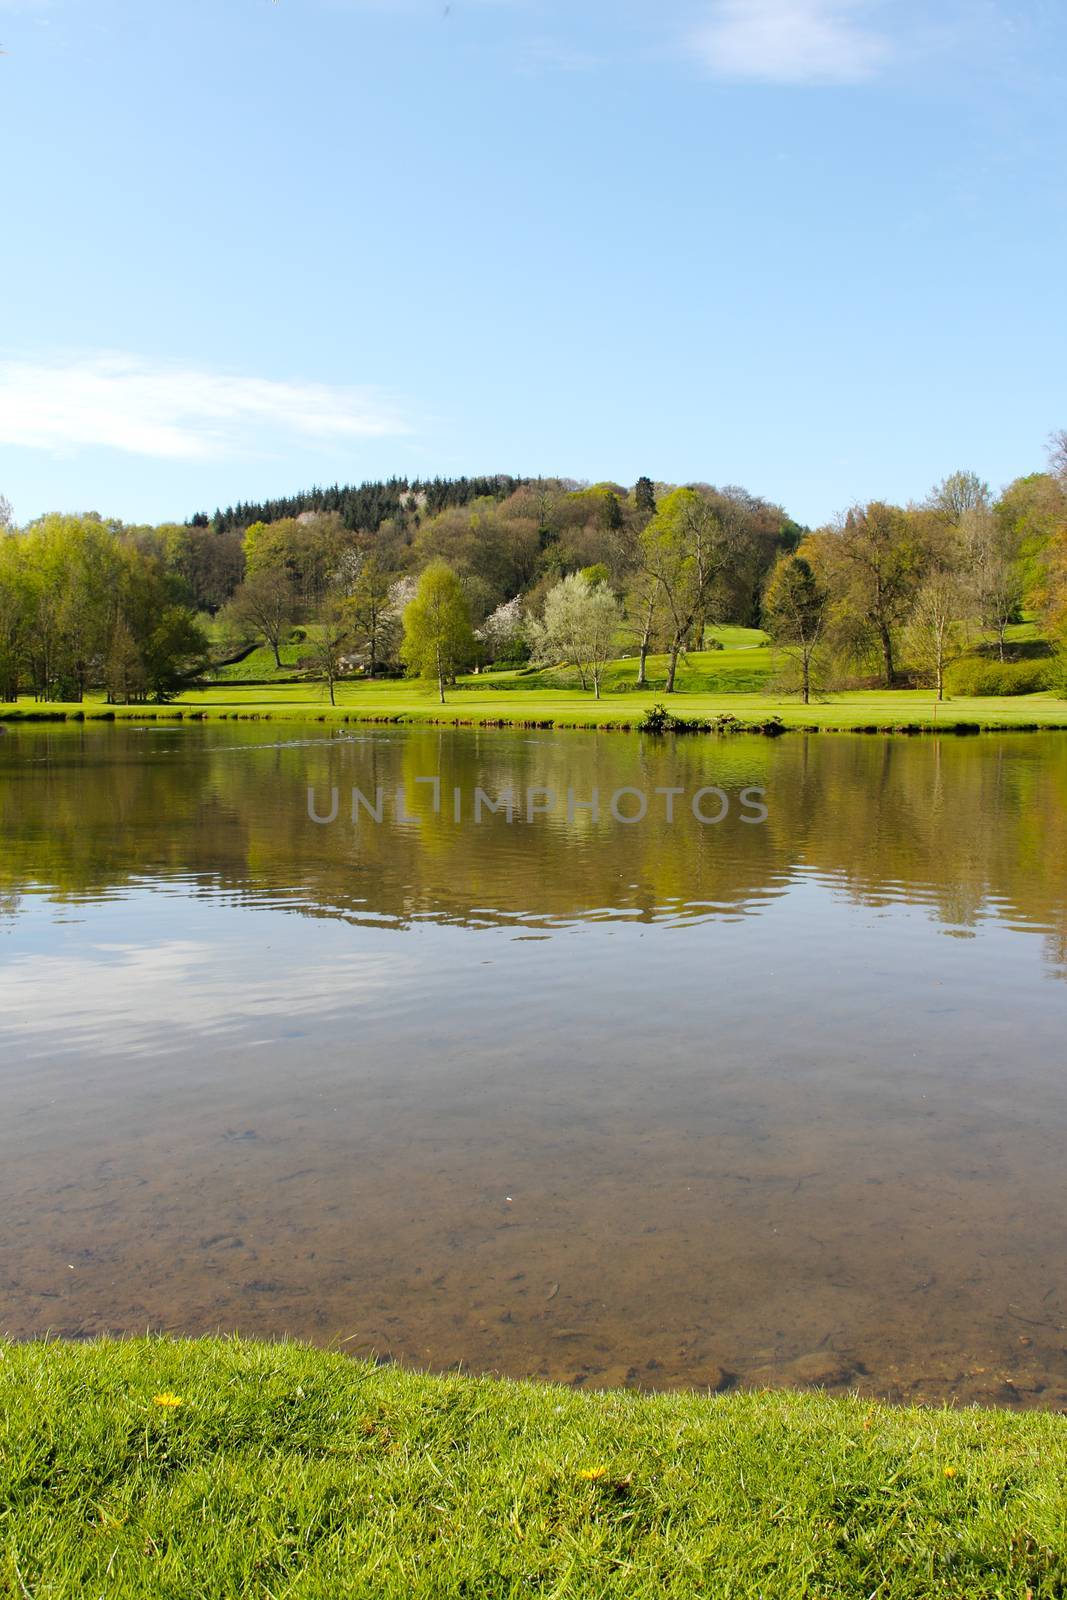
(651, 1103)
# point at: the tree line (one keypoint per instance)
(364, 507)
(434, 578)
(84, 606)
(904, 593)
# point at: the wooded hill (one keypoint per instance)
(546, 570)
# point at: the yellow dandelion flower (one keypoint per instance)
(950, 1472)
(593, 1474)
(166, 1399)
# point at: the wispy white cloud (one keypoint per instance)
(792, 41)
(124, 403)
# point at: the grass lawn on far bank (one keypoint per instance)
(736, 680)
(496, 698)
(213, 1467)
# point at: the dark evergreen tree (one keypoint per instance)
(611, 516)
(645, 497)
(364, 508)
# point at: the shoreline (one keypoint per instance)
(611, 717)
(721, 724)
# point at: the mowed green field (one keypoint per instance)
(735, 681)
(215, 1467)
(481, 701)
(484, 700)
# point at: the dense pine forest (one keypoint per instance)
(434, 577)
(365, 507)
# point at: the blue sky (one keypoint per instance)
(815, 247)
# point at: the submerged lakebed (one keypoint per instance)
(741, 1062)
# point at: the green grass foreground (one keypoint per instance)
(284, 1471)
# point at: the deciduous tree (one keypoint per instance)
(686, 549)
(936, 633)
(438, 638)
(990, 572)
(175, 653)
(795, 612)
(958, 494)
(372, 617)
(580, 624)
(265, 604)
(875, 563)
(328, 643)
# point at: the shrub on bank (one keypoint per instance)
(980, 678)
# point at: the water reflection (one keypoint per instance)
(969, 828)
(653, 1103)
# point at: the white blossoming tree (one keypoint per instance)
(581, 624)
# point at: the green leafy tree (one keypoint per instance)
(304, 549)
(687, 548)
(125, 678)
(1031, 516)
(208, 565)
(329, 642)
(75, 576)
(876, 561)
(14, 614)
(640, 614)
(438, 639)
(175, 653)
(795, 614)
(610, 512)
(371, 615)
(264, 605)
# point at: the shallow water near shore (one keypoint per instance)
(766, 1086)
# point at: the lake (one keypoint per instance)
(752, 1074)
